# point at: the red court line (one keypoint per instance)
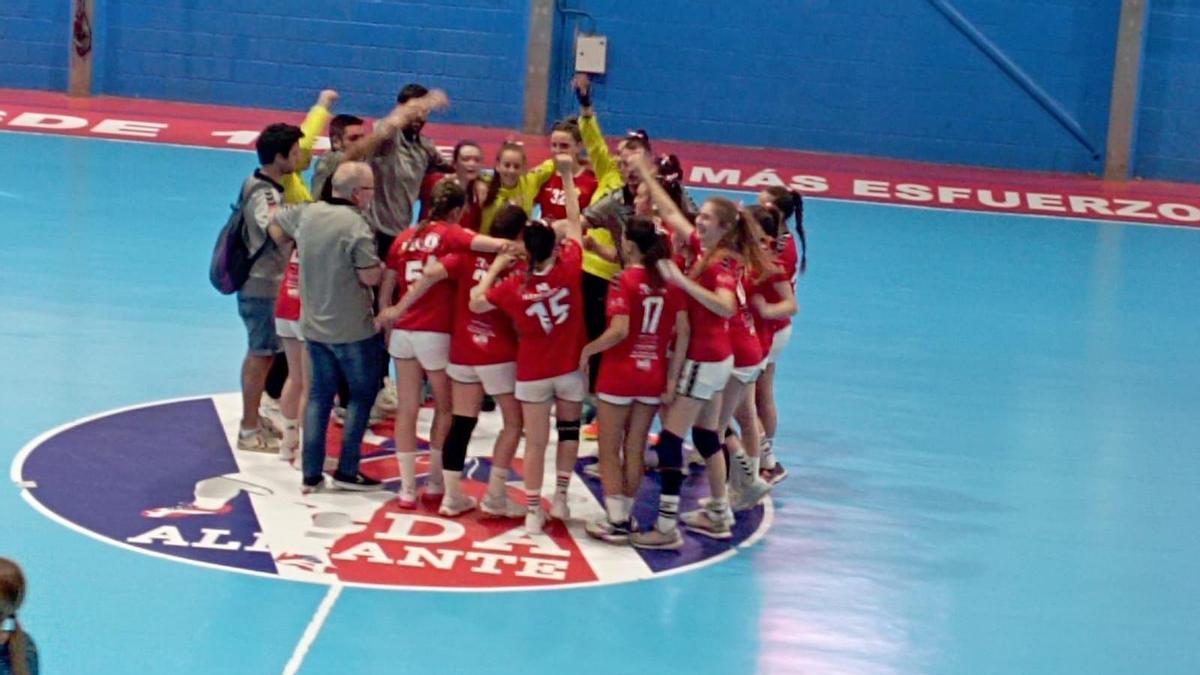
(706, 165)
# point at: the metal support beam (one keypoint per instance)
(1126, 86)
(537, 68)
(81, 46)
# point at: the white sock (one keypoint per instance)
(533, 500)
(408, 471)
(435, 467)
(615, 508)
(291, 433)
(668, 513)
(742, 462)
(768, 453)
(561, 482)
(453, 482)
(496, 481)
(626, 507)
(754, 465)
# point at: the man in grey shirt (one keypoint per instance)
(400, 157)
(278, 148)
(344, 131)
(338, 266)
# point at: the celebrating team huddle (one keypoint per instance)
(621, 296)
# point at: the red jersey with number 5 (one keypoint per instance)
(637, 366)
(553, 200)
(546, 309)
(477, 339)
(407, 257)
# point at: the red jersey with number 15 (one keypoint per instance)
(477, 339)
(637, 366)
(407, 257)
(547, 311)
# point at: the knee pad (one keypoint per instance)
(454, 450)
(708, 442)
(568, 430)
(670, 451)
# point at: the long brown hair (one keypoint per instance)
(12, 593)
(740, 242)
(494, 185)
(447, 196)
(789, 203)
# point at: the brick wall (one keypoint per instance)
(33, 44)
(860, 76)
(279, 53)
(1168, 142)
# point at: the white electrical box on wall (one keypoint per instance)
(591, 52)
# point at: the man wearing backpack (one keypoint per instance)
(279, 154)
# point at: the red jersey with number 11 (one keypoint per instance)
(547, 311)
(407, 257)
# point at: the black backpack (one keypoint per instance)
(231, 257)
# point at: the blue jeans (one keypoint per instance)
(361, 364)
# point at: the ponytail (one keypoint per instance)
(642, 233)
(798, 202)
(12, 594)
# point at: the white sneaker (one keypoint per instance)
(747, 496)
(608, 532)
(454, 506)
(559, 509)
(534, 521)
(257, 441)
(501, 507)
(268, 425)
(386, 399)
(704, 521)
(657, 540)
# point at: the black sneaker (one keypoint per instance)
(359, 483)
(311, 485)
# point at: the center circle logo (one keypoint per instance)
(164, 479)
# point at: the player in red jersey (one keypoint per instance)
(483, 349)
(566, 140)
(545, 304)
(787, 203)
(725, 241)
(420, 337)
(287, 327)
(635, 377)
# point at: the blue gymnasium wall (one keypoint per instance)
(280, 53)
(33, 43)
(875, 77)
(1169, 128)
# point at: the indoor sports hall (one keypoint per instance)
(986, 409)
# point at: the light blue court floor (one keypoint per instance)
(991, 424)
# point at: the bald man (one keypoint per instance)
(339, 265)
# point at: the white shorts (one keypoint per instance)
(572, 386)
(286, 328)
(431, 350)
(629, 400)
(781, 340)
(496, 378)
(750, 374)
(701, 380)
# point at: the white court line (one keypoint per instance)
(314, 627)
